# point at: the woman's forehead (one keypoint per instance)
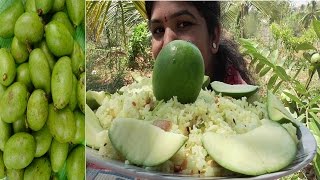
(168, 9)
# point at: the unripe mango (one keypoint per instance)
(39, 70)
(30, 6)
(80, 127)
(7, 68)
(43, 141)
(43, 6)
(5, 133)
(23, 75)
(29, 28)
(50, 58)
(58, 5)
(13, 103)
(19, 51)
(76, 163)
(61, 82)
(81, 92)
(39, 169)
(58, 154)
(77, 59)
(9, 17)
(64, 19)
(76, 11)
(61, 124)
(19, 151)
(37, 110)
(59, 39)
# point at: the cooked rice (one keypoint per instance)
(210, 112)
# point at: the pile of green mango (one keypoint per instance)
(42, 91)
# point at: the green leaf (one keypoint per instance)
(315, 100)
(316, 118)
(314, 110)
(5, 43)
(293, 97)
(263, 59)
(272, 81)
(316, 27)
(305, 46)
(259, 66)
(282, 73)
(264, 71)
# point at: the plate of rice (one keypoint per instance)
(210, 112)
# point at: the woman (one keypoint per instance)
(198, 22)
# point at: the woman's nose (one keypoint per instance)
(169, 35)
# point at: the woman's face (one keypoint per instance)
(180, 20)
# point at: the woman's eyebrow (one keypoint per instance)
(174, 15)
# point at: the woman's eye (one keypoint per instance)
(157, 30)
(184, 24)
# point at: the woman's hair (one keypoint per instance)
(228, 53)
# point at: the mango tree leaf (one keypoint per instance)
(275, 89)
(259, 66)
(282, 73)
(316, 118)
(293, 97)
(316, 27)
(305, 46)
(263, 59)
(314, 110)
(272, 81)
(315, 100)
(264, 71)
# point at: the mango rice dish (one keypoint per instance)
(210, 113)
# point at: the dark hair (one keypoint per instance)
(228, 53)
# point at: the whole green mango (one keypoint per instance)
(44, 6)
(76, 10)
(43, 141)
(13, 103)
(19, 51)
(61, 124)
(58, 154)
(61, 82)
(59, 39)
(76, 163)
(29, 28)
(9, 17)
(7, 68)
(23, 75)
(64, 19)
(19, 151)
(77, 59)
(37, 110)
(39, 70)
(79, 137)
(39, 169)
